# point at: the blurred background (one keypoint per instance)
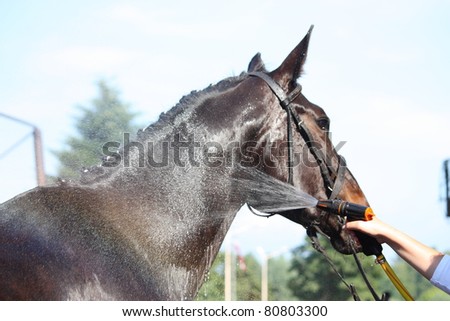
(378, 68)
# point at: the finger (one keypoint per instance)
(354, 225)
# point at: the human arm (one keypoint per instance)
(421, 257)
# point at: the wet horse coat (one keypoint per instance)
(148, 222)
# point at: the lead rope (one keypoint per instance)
(316, 245)
(364, 275)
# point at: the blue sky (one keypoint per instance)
(379, 69)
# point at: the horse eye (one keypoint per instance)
(324, 123)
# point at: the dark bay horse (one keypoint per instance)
(148, 222)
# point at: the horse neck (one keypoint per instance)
(185, 207)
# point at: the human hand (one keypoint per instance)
(375, 227)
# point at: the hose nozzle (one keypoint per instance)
(343, 208)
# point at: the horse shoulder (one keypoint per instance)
(56, 244)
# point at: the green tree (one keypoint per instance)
(248, 280)
(279, 275)
(316, 280)
(106, 119)
(246, 283)
(213, 289)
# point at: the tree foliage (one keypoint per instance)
(105, 119)
(307, 275)
(213, 289)
(279, 275)
(246, 283)
(316, 280)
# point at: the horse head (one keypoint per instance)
(301, 152)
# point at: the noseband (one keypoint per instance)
(333, 180)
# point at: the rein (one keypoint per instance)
(333, 179)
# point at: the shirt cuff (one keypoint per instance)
(441, 276)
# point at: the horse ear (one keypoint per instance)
(256, 64)
(291, 68)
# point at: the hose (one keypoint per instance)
(381, 260)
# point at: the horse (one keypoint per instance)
(148, 221)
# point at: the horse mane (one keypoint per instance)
(166, 121)
(188, 102)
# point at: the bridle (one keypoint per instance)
(333, 179)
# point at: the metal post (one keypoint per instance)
(40, 172)
(265, 269)
(447, 186)
(228, 272)
(265, 278)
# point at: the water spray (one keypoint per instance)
(267, 195)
